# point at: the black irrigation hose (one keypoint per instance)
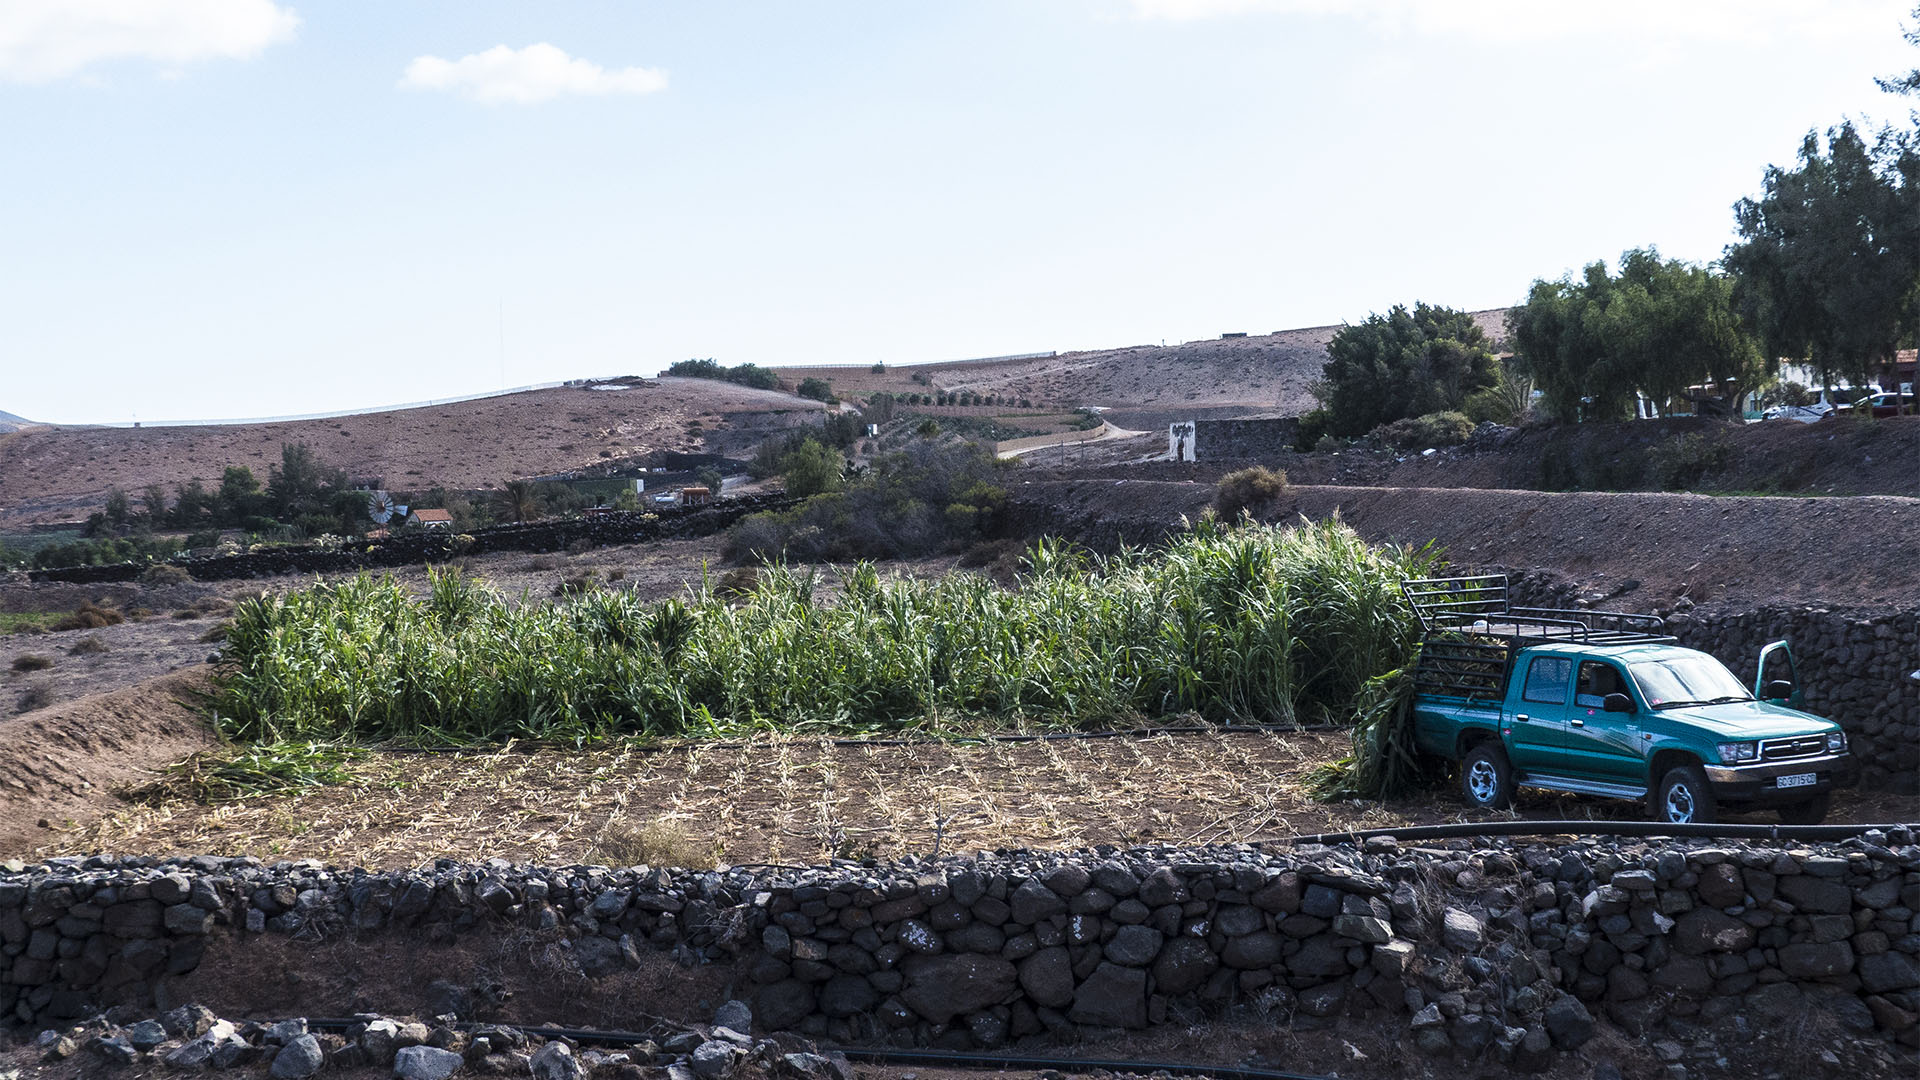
(927, 1058)
(1601, 828)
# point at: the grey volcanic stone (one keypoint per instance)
(1461, 930)
(1033, 902)
(1705, 930)
(1363, 928)
(941, 987)
(1888, 971)
(735, 1015)
(299, 1058)
(783, 1004)
(1813, 960)
(1184, 965)
(711, 1060)
(1721, 885)
(1258, 950)
(425, 1063)
(1236, 920)
(1047, 977)
(847, 995)
(1112, 996)
(1568, 1022)
(146, 1035)
(555, 1061)
(1814, 895)
(1134, 946)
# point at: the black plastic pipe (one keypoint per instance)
(1602, 828)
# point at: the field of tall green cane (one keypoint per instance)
(1248, 624)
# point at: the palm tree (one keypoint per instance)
(519, 499)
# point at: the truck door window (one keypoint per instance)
(1547, 680)
(1597, 680)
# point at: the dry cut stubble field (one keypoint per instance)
(800, 801)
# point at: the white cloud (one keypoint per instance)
(502, 76)
(1533, 20)
(44, 40)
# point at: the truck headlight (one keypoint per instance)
(1836, 741)
(1739, 751)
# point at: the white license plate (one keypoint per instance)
(1805, 779)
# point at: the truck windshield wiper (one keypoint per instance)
(1708, 701)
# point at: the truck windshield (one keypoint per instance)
(1687, 680)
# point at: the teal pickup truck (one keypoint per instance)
(1603, 703)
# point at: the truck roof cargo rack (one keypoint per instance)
(1472, 631)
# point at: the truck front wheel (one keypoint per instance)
(1485, 777)
(1683, 797)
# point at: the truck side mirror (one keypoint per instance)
(1616, 703)
(1779, 690)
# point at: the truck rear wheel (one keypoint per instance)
(1684, 798)
(1485, 777)
(1811, 812)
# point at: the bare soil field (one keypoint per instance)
(1736, 552)
(804, 801)
(63, 473)
(1880, 457)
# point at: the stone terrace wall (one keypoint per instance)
(1495, 950)
(1227, 440)
(613, 527)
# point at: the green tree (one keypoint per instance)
(153, 503)
(194, 505)
(1908, 83)
(297, 484)
(519, 500)
(239, 494)
(1402, 364)
(812, 468)
(119, 510)
(1657, 328)
(1827, 269)
(817, 389)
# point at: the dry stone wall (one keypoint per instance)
(611, 527)
(1484, 950)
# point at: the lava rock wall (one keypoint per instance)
(1495, 950)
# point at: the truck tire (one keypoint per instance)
(1485, 777)
(1811, 812)
(1683, 796)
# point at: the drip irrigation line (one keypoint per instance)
(1601, 828)
(889, 1056)
(963, 740)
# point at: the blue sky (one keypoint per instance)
(259, 207)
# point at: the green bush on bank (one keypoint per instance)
(1255, 623)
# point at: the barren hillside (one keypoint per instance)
(1736, 552)
(1260, 372)
(56, 473)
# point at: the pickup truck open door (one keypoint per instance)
(1775, 668)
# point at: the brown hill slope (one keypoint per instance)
(1734, 551)
(61, 473)
(1261, 372)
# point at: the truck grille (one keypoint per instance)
(1803, 746)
